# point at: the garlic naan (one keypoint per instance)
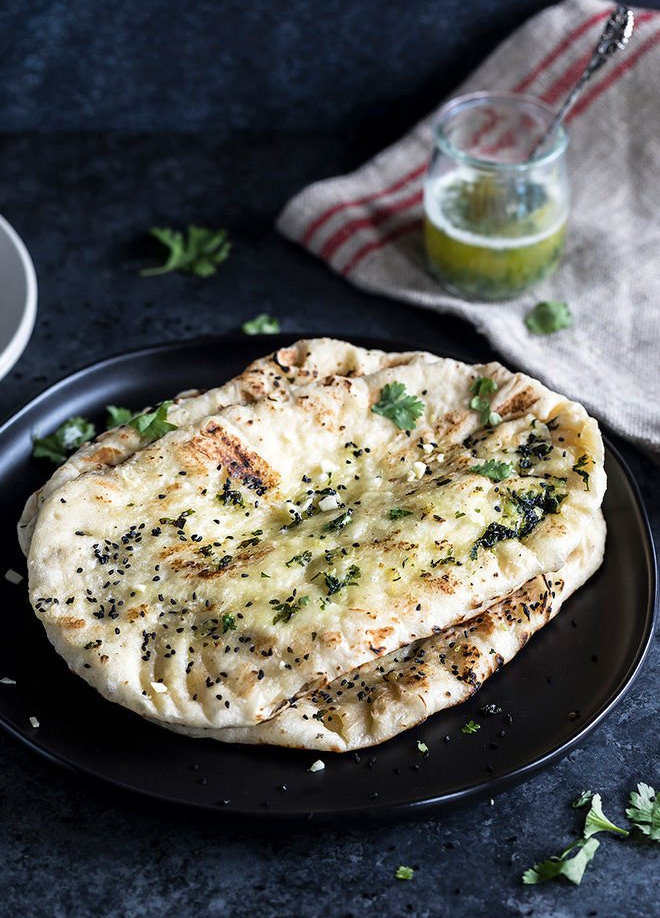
(397, 692)
(302, 363)
(252, 556)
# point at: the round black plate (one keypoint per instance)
(551, 696)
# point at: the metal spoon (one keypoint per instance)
(616, 35)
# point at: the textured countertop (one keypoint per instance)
(82, 202)
(82, 207)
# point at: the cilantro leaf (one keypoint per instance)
(302, 559)
(153, 424)
(582, 800)
(263, 324)
(470, 727)
(564, 866)
(404, 873)
(644, 811)
(68, 437)
(422, 747)
(117, 417)
(397, 513)
(284, 611)
(399, 407)
(339, 522)
(578, 468)
(200, 253)
(496, 471)
(546, 318)
(335, 584)
(228, 623)
(484, 385)
(597, 821)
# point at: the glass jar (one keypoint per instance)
(494, 218)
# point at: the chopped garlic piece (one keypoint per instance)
(377, 481)
(159, 688)
(427, 447)
(323, 478)
(7, 681)
(13, 576)
(328, 466)
(440, 457)
(328, 503)
(318, 765)
(419, 469)
(139, 587)
(34, 722)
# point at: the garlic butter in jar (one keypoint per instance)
(494, 219)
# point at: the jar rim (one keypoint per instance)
(473, 99)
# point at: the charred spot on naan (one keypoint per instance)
(518, 403)
(199, 563)
(445, 583)
(215, 445)
(454, 425)
(136, 612)
(69, 622)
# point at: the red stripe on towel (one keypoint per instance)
(323, 218)
(580, 107)
(369, 247)
(349, 229)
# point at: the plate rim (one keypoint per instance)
(14, 349)
(409, 809)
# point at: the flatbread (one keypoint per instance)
(399, 691)
(302, 363)
(178, 583)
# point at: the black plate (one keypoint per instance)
(555, 693)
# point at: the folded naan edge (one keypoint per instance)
(387, 697)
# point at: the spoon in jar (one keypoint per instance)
(616, 35)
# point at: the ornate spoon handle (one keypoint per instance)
(616, 35)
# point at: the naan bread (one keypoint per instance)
(302, 363)
(248, 558)
(399, 691)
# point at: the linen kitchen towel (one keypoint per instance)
(367, 225)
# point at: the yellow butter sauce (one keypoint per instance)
(485, 242)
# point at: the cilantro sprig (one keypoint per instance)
(549, 317)
(117, 417)
(69, 436)
(404, 873)
(572, 868)
(153, 424)
(398, 406)
(496, 471)
(481, 387)
(574, 859)
(262, 324)
(644, 811)
(198, 253)
(398, 513)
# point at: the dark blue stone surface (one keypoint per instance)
(155, 113)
